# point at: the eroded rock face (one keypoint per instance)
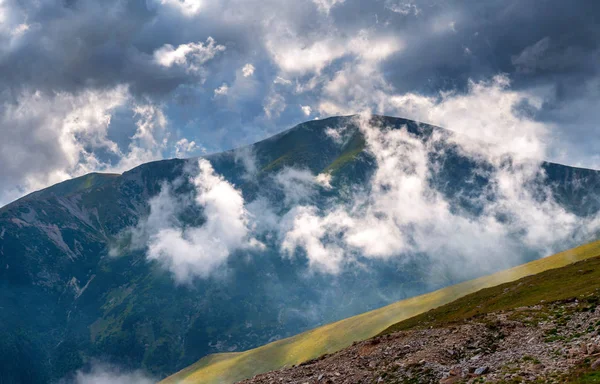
(530, 343)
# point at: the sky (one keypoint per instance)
(105, 86)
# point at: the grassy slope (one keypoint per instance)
(578, 280)
(232, 367)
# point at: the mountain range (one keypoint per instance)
(97, 268)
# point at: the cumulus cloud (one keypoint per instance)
(294, 56)
(188, 8)
(184, 148)
(196, 251)
(402, 214)
(222, 90)
(337, 57)
(190, 55)
(61, 129)
(248, 70)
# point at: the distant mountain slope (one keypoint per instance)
(233, 367)
(75, 289)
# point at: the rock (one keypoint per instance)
(482, 370)
(320, 377)
(451, 380)
(596, 364)
(592, 348)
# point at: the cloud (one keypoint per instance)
(188, 8)
(401, 214)
(294, 56)
(190, 55)
(196, 251)
(325, 6)
(298, 185)
(273, 105)
(248, 70)
(109, 374)
(528, 60)
(48, 138)
(222, 90)
(184, 148)
(403, 7)
(336, 57)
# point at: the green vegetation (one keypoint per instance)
(351, 150)
(578, 280)
(232, 367)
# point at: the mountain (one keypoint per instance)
(77, 285)
(476, 337)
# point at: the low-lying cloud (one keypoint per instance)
(196, 251)
(101, 373)
(401, 214)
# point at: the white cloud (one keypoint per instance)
(305, 229)
(63, 130)
(403, 7)
(325, 6)
(65, 134)
(190, 252)
(222, 90)
(20, 29)
(190, 55)
(188, 8)
(401, 214)
(306, 109)
(248, 70)
(273, 105)
(184, 148)
(107, 374)
(298, 185)
(281, 80)
(293, 55)
(148, 142)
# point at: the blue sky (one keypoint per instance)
(104, 86)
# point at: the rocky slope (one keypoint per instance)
(549, 342)
(498, 347)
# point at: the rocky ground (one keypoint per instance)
(546, 343)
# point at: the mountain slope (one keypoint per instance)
(230, 368)
(75, 289)
(543, 328)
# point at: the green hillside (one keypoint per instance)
(232, 367)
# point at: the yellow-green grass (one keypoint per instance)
(231, 367)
